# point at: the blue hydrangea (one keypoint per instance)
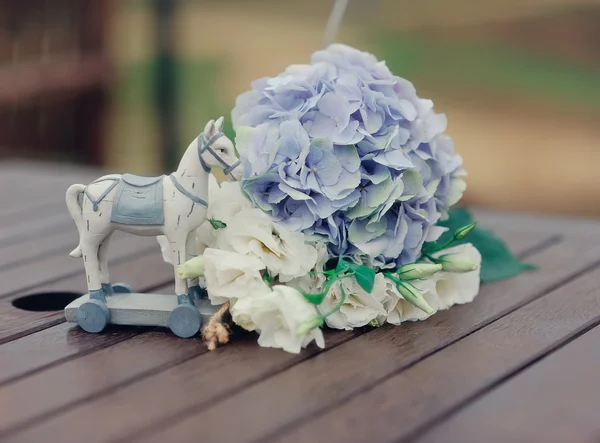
(344, 149)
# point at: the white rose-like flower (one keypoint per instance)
(276, 316)
(230, 275)
(359, 308)
(454, 288)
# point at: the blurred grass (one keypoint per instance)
(490, 66)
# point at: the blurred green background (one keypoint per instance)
(518, 80)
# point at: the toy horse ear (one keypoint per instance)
(219, 123)
(209, 129)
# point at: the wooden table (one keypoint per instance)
(519, 364)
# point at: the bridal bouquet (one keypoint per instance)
(342, 217)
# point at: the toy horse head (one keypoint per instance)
(215, 150)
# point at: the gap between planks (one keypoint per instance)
(219, 358)
(557, 402)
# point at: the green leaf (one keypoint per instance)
(365, 276)
(342, 266)
(317, 299)
(497, 263)
(217, 224)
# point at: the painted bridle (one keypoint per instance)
(207, 146)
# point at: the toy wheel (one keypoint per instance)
(93, 316)
(185, 321)
(122, 288)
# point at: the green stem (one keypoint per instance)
(429, 257)
(338, 305)
(440, 248)
(326, 273)
(390, 276)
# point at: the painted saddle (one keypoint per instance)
(139, 201)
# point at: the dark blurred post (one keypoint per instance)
(90, 107)
(165, 84)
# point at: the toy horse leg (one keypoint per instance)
(93, 315)
(195, 292)
(104, 275)
(108, 288)
(185, 320)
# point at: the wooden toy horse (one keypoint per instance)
(173, 205)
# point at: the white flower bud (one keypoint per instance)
(192, 268)
(415, 271)
(308, 325)
(456, 263)
(414, 297)
(463, 232)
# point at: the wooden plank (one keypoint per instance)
(35, 228)
(93, 374)
(31, 353)
(142, 271)
(564, 225)
(67, 340)
(417, 398)
(554, 400)
(55, 267)
(31, 183)
(353, 367)
(32, 207)
(210, 378)
(198, 381)
(35, 248)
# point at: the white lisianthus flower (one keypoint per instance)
(230, 275)
(285, 253)
(455, 288)
(458, 186)
(249, 231)
(314, 283)
(398, 310)
(228, 197)
(277, 316)
(291, 256)
(441, 291)
(359, 308)
(225, 202)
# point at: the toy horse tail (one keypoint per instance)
(75, 210)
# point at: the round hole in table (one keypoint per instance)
(45, 301)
